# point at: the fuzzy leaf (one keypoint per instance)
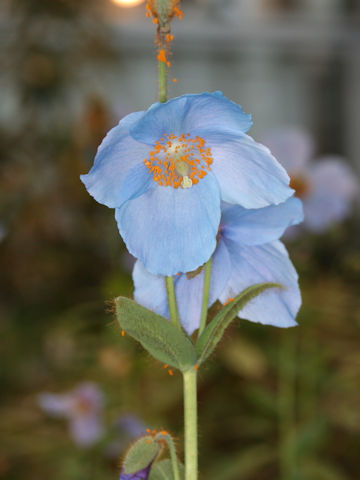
(156, 334)
(215, 330)
(141, 454)
(163, 471)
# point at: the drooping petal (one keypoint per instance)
(247, 172)
(150, 290)
(189, 112)
(189, 289)
(262, 225)
(333, 187)
(264, 263)
(172, 230)
(221, 271)
(116, 156)
(292, 146)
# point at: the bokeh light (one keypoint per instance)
(128, 3)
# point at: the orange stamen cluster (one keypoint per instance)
(178, 12)
(179, 161)
(174, 10)
(162, 56)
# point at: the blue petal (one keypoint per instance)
(221, 271)
(264, 263)
(261, 225)
(184, 114)
(137, 181)
(172, 230)
(189, 289)
(247, 172)
(150, 290)
(116, 156)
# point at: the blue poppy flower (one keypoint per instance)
(248, 252)
(166, 171)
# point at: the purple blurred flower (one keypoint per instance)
(326, 186)
(142, 475)
(83, 407)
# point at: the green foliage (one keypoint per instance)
(156, 334)
(214, 332)
(141, 454)
(163, 471)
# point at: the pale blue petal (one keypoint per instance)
(189, 289)
(261, 225)
(116, 156)
(247, 172)
(137, 181)
(189, 112)
(264, 263)
(221, 271)
(150, 290)
(172, 230)
(189, 293)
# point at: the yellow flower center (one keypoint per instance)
(179, 161)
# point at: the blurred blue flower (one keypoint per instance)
(248, 252)
(165, 171)
(83, 407)
(326, 186)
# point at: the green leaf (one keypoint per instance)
(214, 332)
(143, 452)
(157, 335)
(163, 471)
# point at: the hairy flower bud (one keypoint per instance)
(163, 11)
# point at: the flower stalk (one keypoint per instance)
(174, 313)
(190, 424)
(173, 456)
(204, 310)
(162, 81)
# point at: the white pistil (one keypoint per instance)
(186, 182)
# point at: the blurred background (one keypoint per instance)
(274, 404)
